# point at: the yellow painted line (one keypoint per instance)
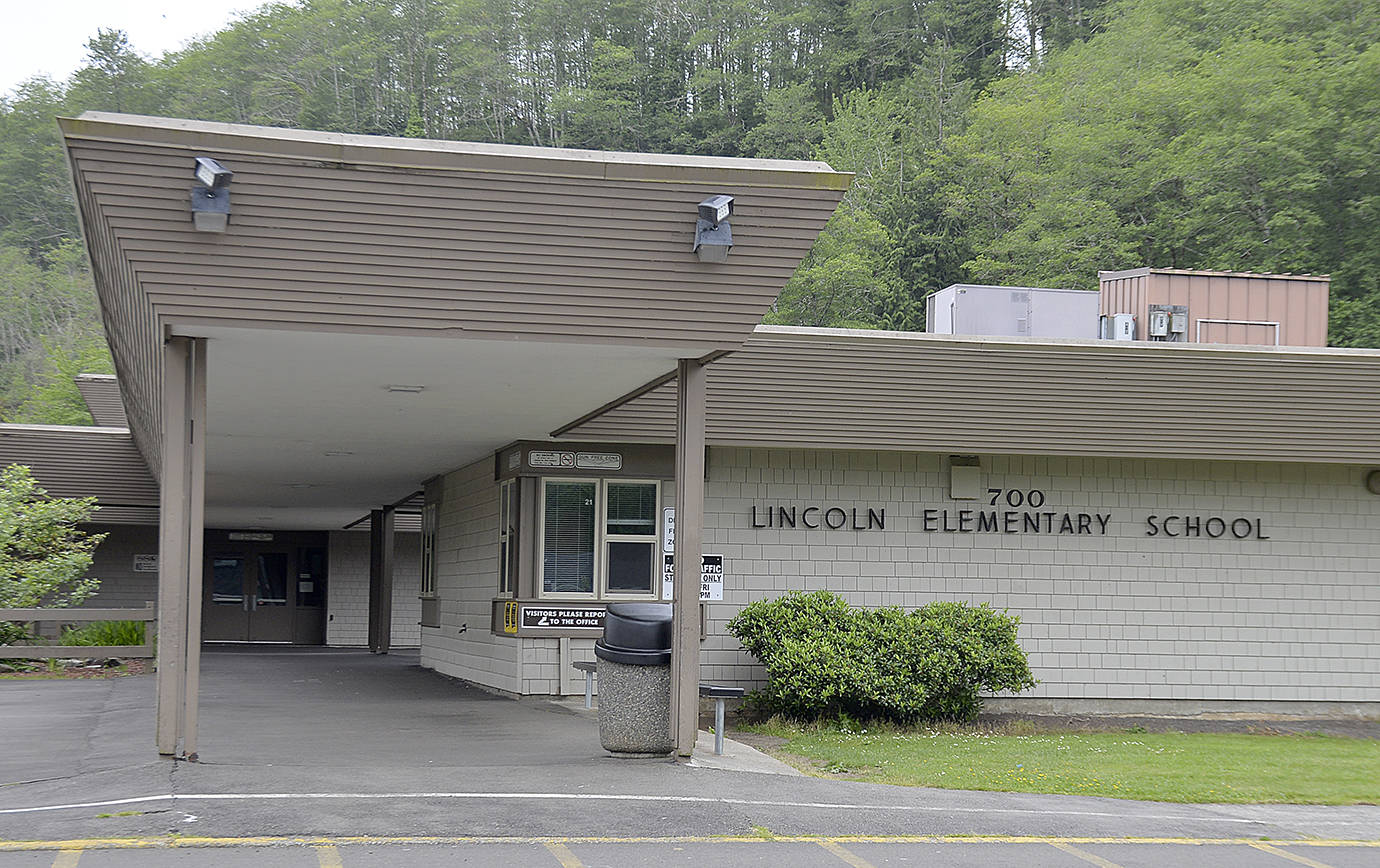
(167, 841)
(67, 859)
(563, 855)
(328, 856)
(846, 855)
(1083, 854)
(1292, 857)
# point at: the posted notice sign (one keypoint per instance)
(711, 577)
(562, 617)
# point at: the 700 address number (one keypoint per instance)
(1015, 497)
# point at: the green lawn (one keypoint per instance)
(1170, 767)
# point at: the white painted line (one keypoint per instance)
(631, 797)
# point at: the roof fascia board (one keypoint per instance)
(765, 333)
(442, 155)
(71, 430)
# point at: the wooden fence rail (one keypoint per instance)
(148, 614)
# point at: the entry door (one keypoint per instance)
(270, 608)
(225, 603)
(247, 597)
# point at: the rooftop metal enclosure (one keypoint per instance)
(1220, 307)
(1011, 311)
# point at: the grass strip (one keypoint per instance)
(1155, 766)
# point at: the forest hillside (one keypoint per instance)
(995, 141)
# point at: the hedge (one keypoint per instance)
(826, 659)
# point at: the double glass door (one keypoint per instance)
(248, 598)
(264, 593)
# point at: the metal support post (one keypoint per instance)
(381, 580)
(181, 509)
(685, 626)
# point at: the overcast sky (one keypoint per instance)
(49, 36)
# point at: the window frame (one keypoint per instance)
(601, 540)
(509, 537)
(427, 584)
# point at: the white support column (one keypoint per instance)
(685, 627)
(181, 502)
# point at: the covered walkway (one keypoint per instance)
(347, 708)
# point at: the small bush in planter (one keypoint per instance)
(105, 633)
(827, 659)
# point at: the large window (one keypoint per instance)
(598, 538)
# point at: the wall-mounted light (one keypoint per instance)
(211, 197)
(713, 234)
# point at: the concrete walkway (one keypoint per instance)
(342, 743)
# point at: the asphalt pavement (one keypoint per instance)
(365, 760)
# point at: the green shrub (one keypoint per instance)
(827, 659)
(105, 633)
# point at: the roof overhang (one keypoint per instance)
(849, 389)
(86, 461)
(521, 285)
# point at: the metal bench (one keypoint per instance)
(719, 693)
(588, 668)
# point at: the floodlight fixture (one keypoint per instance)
(713, 234)
(211, 197)
(212, 174)
(716, 209)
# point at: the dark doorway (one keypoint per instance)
(264, 587)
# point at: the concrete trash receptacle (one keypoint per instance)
(634, 660)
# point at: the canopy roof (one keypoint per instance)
(519, 286)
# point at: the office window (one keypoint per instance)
(599, 538)
(428, 550)
(630, 536)
(508, 537)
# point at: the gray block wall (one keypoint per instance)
(113, 563)
(347, 594)
(466, 579)
(1123, 615)
(1106, 618)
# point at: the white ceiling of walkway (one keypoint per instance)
(304, 432)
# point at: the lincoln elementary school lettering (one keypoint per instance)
(1004, 521)
(1012, 512)
(832, 517)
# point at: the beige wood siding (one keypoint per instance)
(85, 462)
(884, 390)
(101, 392)
(358, 233)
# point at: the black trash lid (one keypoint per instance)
(638, 627)
(631, 658)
